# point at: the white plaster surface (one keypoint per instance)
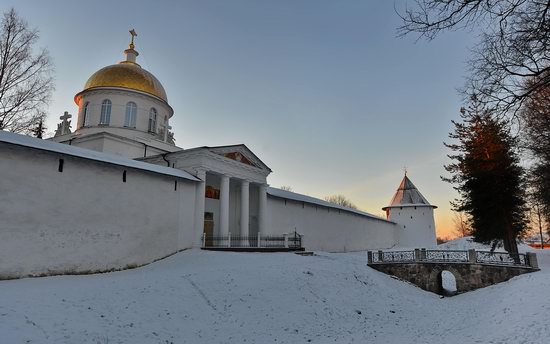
(416, 225)
(133, 139)
(86, 218)
(31, 142)
(328, 229)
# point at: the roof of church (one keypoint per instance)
(51, 146)
(312, 200)
(126, 74)
(408, 195)
(216, 148)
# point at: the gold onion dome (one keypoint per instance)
(126, 74)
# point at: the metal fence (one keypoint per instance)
(445, 256)
(487, 257)
(452, 256)
(289, 241)
(393, 257)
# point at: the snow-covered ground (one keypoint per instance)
(214, 297)
(468, 243)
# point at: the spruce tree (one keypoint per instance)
(39, 130)
(536, 138)
(487, 174)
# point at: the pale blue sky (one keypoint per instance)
(322, 91)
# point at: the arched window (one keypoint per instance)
(130, 119)
(153, 120)
(85, 115)
(105, 112)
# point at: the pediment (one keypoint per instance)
(238, 156)
(241, 154)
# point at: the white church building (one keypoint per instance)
(117, 192)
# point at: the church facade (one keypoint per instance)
(117, 192)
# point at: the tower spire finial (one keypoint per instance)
(131, 53)
(133, 33)
(405, 170)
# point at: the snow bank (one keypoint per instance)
(467, 243)
(213, 297)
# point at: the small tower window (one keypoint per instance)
(152, 120)
(130, 119)
(105, 112)
(85, 115)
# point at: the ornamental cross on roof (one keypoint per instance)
(133, 33)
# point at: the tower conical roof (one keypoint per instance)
(408, 195)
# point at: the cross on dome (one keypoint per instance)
(133, 33)
(131, 53)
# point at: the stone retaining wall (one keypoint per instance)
(468, 277)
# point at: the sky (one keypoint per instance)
(324, 92)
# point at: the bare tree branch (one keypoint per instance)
(26, 76)
(514, 45)
(341, 200)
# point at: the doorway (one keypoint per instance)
(209, 228)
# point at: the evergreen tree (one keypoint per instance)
(39, 130)
(488, 177)
(536, 138)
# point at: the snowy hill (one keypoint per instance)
(467, 243)
(213, 297)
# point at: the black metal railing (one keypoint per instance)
(504, 258)
(393, 256)
(291, 241)
(295, 241)
(451, 256)
(445, 256)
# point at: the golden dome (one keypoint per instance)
(128, 75)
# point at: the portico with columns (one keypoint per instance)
(232, 195)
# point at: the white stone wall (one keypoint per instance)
(125, 142)
(327, 229)
(86, 218)
(416, 226)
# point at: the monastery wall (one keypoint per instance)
(86, 218)
(328, 229)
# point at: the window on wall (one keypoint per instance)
(153, 120)
(105, 112)
(131, 111)
(85, 115)
(211, 192)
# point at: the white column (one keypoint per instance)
(224, 206)
(199, 207)
(262, 210)
(245, 187)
